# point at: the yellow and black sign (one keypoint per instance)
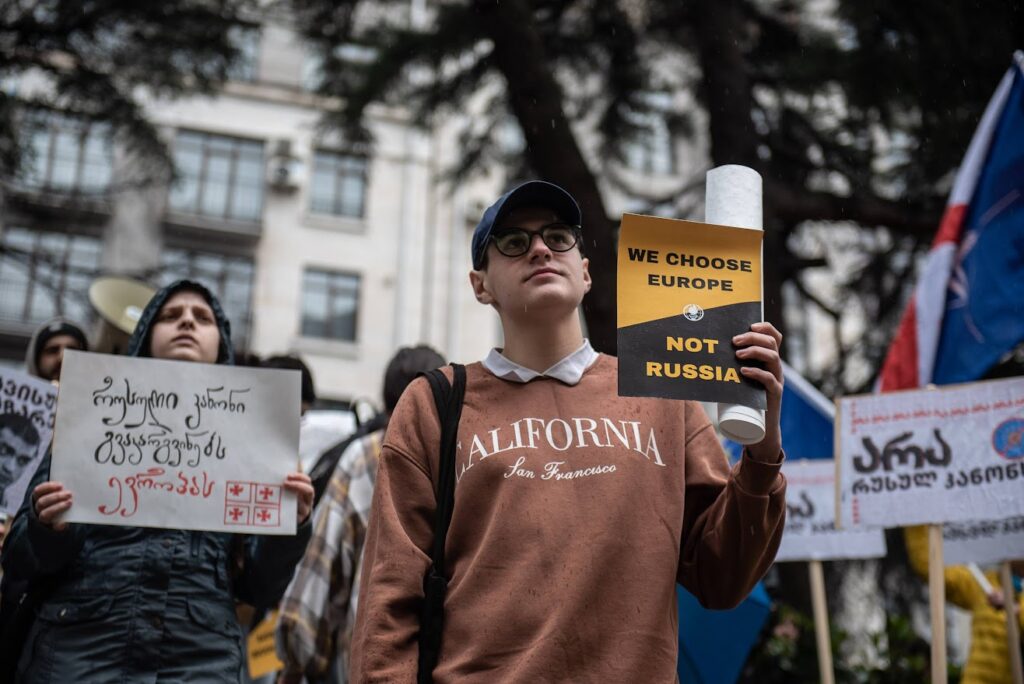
(262, 657)
(685, 289)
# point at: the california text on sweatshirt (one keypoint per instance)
(576, 511)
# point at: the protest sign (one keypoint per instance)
(684, 290)
(260, 648)
(27, 406)
(155, 443)
(810, 532)
(952, 454)
(984, 541)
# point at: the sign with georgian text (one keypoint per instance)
(154, 443)
(810, 532)
(951, 454)
(983, 541)
(27, 406)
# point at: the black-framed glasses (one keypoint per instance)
(514, 242)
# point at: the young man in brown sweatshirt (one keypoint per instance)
(576, 510)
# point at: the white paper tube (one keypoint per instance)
(733, 198)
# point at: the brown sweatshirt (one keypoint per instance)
(576, 511)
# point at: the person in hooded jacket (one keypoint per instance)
(44, 357)
(133, 604)
(45, 352)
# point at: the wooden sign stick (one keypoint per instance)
(937, 603)
(821, 628)
(1012, 628)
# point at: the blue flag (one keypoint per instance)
(984, 316)
(967, 310)
(806, 420)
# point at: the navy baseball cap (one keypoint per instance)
(530, 194)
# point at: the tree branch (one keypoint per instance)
(537, 102)
(794, 205)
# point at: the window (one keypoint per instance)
(228, 276)
(652, 150)
(45, 274)
(330, 304)
(314, 64)
(68, 155)
(339, 184)
(312, 76)
(247, 40)
(221, 177)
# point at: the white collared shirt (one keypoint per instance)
(569, 370)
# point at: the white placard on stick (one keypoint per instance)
(810, 532)
(952, 454)
(984, 541)
(154, 443)
(27, 406)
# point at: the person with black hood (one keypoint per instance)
(43, 359)
(45, 352)
(146, 604)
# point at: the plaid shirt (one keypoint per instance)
(318, 610)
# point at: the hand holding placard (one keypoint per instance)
(50, 501)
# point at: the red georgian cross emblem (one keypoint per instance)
(252, 504)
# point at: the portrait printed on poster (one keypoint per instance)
(27, 412)
(27, 407)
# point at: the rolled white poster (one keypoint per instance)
(733, 198)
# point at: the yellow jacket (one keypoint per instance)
(989, 659)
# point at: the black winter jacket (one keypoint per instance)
(133, 604)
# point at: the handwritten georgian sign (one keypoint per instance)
(953, 454)
(153, 443)
(810, 532)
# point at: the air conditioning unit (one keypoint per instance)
(285, 171)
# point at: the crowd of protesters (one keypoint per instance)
(561, 556)
(113, 603)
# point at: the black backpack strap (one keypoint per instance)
(448, 399)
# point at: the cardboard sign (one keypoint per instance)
(260, 648)
(152, 443)
(810, 532)
(685, 289)
(953, 454)
(27, 406)
(983, 542)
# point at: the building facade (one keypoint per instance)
(338, 253)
